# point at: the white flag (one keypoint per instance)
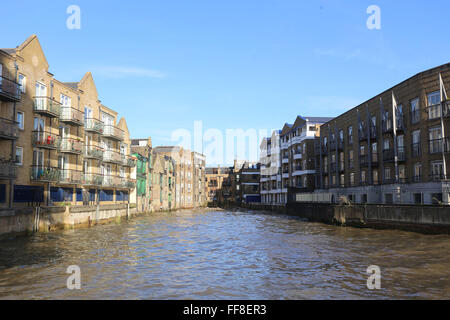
(443, 92)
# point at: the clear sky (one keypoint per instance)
(232, 64)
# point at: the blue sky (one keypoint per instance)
(232, 64)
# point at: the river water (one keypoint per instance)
(206, 254)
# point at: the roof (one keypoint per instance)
(8, 50)
(73, 85)
(318, 119)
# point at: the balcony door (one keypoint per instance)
(40, 93)
(39, 128)
(63, 166)
(38, 163)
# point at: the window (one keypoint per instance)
(350, 159)
(402, 173)
(417, 172)
(350, 135)
(363, 176)
(416, 143)
(435, 136)
(342, 180)
(375, 177)
(22, 83)
(65, 101)
(352, 179)
(20, 119)
(434, 105)
(387, 174)
(386, 145)
(415, 111)
(19, 156)
(437, 170)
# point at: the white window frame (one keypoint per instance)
(23, 83)
(21, 156)
(21, 124)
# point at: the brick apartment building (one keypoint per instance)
(393, 148)
(288, 160)
(58, 142)
(219, 185)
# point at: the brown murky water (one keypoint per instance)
(224, 255)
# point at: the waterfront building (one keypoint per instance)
(247, 180)
(187, 185)
(219, 184)
(393, 148)
(199, 161)
(270, 178)
(297, 155)
(59, 143)
(163, 181)
(142, 150)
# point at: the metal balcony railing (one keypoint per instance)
(46, 140)
(93, 152)
(111, 181)
(71, 115)
(45, 174)
(73, 146)
(92, 179)
(129, 183)
(8, 170)
(93, 125)
(9, 90)
(128, 161)
(9, 129)
(113, 132)
(112, 157)
(68, 176)
(47, 106)
(437, 177)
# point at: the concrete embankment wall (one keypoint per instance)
(46, 219)
(423, 219)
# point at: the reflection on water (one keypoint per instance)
(224, 255)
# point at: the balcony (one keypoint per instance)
(447, 109)
(46, 106)
(388, 155)
(71, 116)
(8, 170)
(93, 152)
(71, 146)
(416, 150)
(110, 181)
(70, 177)
(8, 129)
(128, 161)
(113, 132)
(112, 157)
(45, 174)
(129, 183)
(9, 90)
(93, 125)
(93, 179)
(437, 177)
(45, 140)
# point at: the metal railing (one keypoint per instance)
(9, 90)
(44, 139)
(47, 106)
(69, 145)
(68, 176)
(9, 129)
(45, 174)
(69, 114)
(112, 181)
(434, 111)
(92, 179)
(113, 132)
(8, 170)
(93, 152)
(438, 145)
(112, 156)
(93, 125)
